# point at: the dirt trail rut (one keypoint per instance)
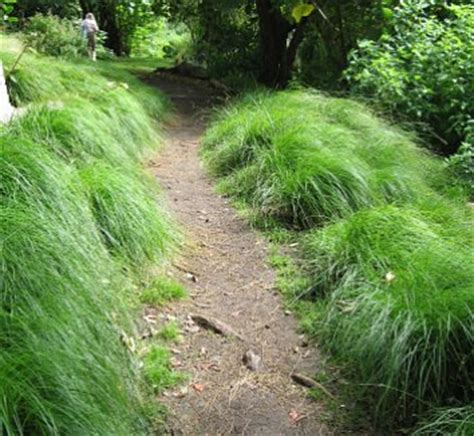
(234, 284)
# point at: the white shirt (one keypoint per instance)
(89, 26)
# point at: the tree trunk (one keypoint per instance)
(279, 54)
(274, 30)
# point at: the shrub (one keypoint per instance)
(160, 39)
(399, 283)
(462, 165)
(63, 368)
(423, 70)
(305, 159)
(55, 36)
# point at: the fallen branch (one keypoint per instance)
(216, 326)
(308, 382)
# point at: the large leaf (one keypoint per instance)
(301, 11)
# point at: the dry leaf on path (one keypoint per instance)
(293, 416)
(198, 387)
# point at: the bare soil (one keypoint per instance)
(224, 267)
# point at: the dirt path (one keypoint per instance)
(234, 284)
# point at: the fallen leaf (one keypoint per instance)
(198, 387)
(293, 416)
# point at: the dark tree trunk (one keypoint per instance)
(279, 54)
(274, 30)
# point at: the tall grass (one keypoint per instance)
(63, 368)
(127, 214)
(388, 258)
(39, 79)
(76, 130)
(456, 421)
(400, 307)
(75, 210)
(305, 159)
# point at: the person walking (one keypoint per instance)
(89, 30)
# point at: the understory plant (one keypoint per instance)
(397, 289)
(305, 159)
(127, 214)
(63, 368)
(80, 224)
(384, 276)
(422, 69)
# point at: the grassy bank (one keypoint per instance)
(386, 272)
(81, 225)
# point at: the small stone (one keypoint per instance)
(191, 277)
(251, 360)
(287, 312)
(181, 393)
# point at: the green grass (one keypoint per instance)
(76, 209)
(383, 272)
(399, 284)
(127, 214)
(158, 370)
(453, 421)
(63, 368)
(162, 291)
(170, 333)
(305, 159)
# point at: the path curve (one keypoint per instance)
(224, 266)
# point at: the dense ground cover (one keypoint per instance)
(388, 245)
(80, 225)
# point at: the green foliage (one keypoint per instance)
(323, 54)
(305, 159)
(423, 69)
(119, 19)
(170, 333)
(63, 8)
(51, 35)
(456, 421)
(63, 368)
(127, 214)
(158, 371)
(161, 39)
(462, 165)
(162, 291)
(63, 298)
(6, 9)
(399, 283)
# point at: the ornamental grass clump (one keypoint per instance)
(127, 213)
(63, 368)
(396, 285)
(456, 421)
(76, 130)
(305, 159)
